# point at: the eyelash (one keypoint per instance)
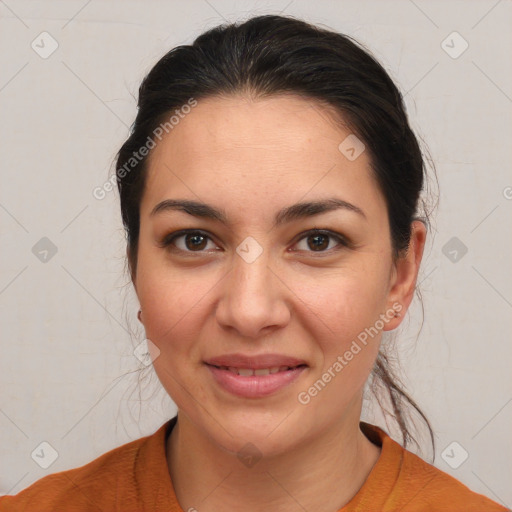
(168, 240)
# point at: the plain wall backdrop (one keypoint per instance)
(69, 75)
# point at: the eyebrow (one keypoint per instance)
(287, 214)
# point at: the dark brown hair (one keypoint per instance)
(269, 55)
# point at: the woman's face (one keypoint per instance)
(254, 291)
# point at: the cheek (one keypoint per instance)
(342, 317)
(174, 316)
(344, 302)
(171, 301)
(173, 310)
(342, 309)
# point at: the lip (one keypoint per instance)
(255, 362)
(254, 386)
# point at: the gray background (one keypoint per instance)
(68, 375)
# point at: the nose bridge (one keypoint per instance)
(250, 299)
(251, 272)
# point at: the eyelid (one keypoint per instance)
(169, 238)
(343, 242)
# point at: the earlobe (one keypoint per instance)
(406, 272)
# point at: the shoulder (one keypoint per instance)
(429, 488)
(110, 479)
(414, 485)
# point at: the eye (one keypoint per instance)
(187, 241)
(317, 240)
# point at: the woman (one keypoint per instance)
(270, 192)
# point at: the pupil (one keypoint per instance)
(195, 245)
(318, 245)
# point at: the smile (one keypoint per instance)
(248, 372)
(254, 382)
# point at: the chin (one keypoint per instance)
(266, 432)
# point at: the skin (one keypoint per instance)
(252, 157)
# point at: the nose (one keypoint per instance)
(253, 299)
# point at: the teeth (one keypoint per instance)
(248, 372)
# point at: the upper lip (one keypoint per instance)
(255, 362)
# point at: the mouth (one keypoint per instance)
(249, 372)
(255, 377)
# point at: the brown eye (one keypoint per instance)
(195, 242)
(314, 241)
(187, 241)
(320, 241)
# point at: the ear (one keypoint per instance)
(404, 274)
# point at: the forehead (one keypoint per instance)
(273, 150)
(277, 125)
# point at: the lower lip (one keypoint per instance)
(255, 386)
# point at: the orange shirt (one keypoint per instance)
(134, 477)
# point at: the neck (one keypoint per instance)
(322, 475)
